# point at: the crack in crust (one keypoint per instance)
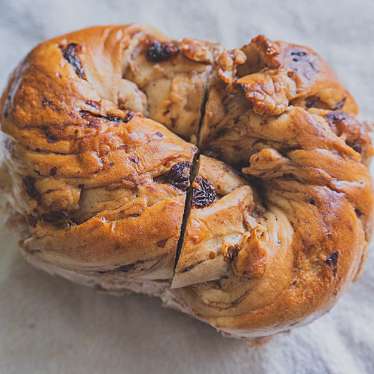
(98, 129)
(71, 55)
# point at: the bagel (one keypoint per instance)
(232, 184)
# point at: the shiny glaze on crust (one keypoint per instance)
(100, 166)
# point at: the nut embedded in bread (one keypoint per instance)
(256, 229)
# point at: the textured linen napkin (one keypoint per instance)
(48, 325)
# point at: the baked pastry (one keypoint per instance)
(233, 184)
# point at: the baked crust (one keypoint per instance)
(108, 189)
(89, 175)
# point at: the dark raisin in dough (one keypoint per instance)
(203, 193)
(70, 53)
(179, 175)
(158, 51)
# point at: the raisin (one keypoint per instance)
(161, 243)
(188, 268)
(203, 193)
(340, 104)
(134, 159)
(53, 171)
(179, 175)
(356, 146)
(93, 103)
(311, 101)
(315, 102)
(52, 138)
(358, 213)
(31, 190)
(341, 123)
(94, 118)
(128, 117)
(129, 267)
(125, 268)
(46, 103)
(298, 53)
(70, 53)
(231, 253)
(332, 261)
(299, 56)
(302, 63)
(160, 51)
(311, 201)
(85, 114)
(114, 118)
(336, 116)
(59, 219)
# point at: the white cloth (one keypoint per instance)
(48, 325)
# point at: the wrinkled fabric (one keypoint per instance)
(49, 325)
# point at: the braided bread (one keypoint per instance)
(233, 184)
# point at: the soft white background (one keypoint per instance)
(48, 325)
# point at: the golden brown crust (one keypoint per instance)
(311, 82)
(100, 187)
(91, 177)
(276, 111)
